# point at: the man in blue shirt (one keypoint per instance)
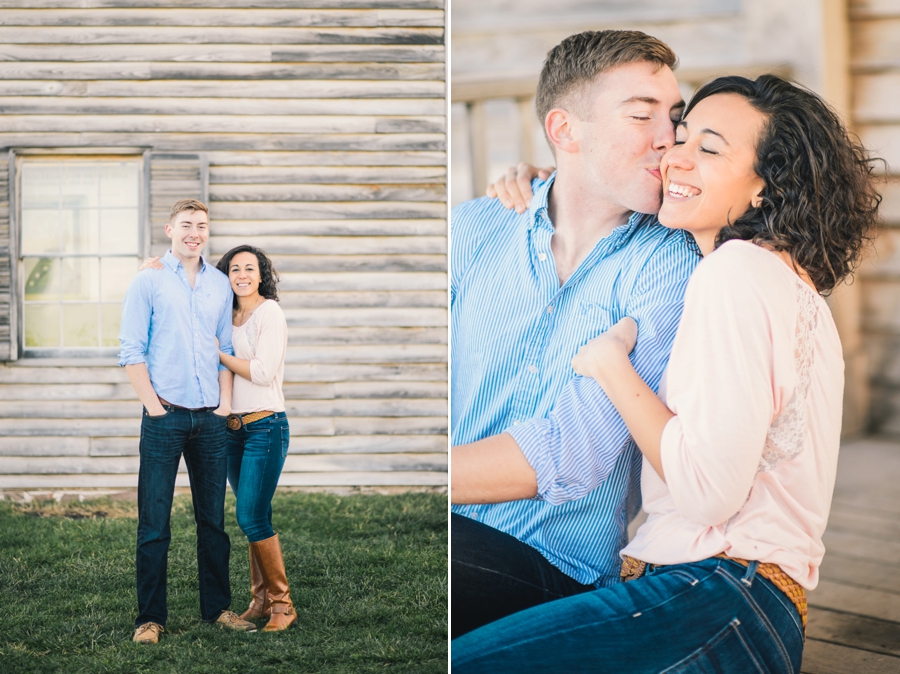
(547, 478)
(171, 322)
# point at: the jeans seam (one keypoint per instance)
(510, 577)
(761, 615)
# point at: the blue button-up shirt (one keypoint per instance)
(514, 333)
(173, 329)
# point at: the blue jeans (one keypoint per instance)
(199, 435)
(698, 618)
(256, 454)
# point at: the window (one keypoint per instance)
(79, 248)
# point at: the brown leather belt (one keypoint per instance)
(235, 421)
(634, 568)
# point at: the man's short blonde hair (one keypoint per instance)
(187, 205)
(572, 66)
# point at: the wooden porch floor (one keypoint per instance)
(854, 614)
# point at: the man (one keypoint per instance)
(170, 324)
(526, 291)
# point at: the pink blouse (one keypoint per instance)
(263, 341)
(756, 381)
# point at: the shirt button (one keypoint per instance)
(516, 423)
(550, 309)
(532, 369)
(542, 256)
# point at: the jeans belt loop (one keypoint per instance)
(747, 580)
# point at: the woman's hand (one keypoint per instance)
(606, 349)
(151, 263)
(514, 188)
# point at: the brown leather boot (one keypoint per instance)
(259, 605)
(271, 563)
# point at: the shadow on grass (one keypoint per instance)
(368, 577)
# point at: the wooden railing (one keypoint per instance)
(474, 91)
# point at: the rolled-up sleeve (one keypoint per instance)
(134, 330)
(577, 445)
(270, 346)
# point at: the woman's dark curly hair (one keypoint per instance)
(268, 277)
(819, 202)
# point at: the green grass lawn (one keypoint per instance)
(368, 577)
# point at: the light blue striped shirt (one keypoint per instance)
(172, 328)
(514, 333)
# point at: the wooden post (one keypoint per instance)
(846, 301)
(478, 146)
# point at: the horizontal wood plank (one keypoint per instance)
(316, 479)
(381, 227)
(423, 317)
(212, 16)
(366, 335)
(319, 83)
(233, 160)
(44, 446)
(856, 600)
(877, 636)
(224, 4)
(324, 300)
(75, 105)
(200, 142)
(61, 465)
(820, 657)
(269, 193)
(77, 35)
(250, 175)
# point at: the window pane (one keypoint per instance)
(119, 231)
(118, 184)
(109, 323)
(115, 275)
(40, 231)
(41, 325)
(79, 231)
(81, 278)
(40, 185)
(80, 185)
(80, 325)
(41, 279)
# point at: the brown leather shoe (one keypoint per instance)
(231, 620)
(148, 633)
(259, 605)
(271, 564)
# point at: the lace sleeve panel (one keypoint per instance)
(787, 434)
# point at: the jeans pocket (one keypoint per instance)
(728, 652)
(285, 440)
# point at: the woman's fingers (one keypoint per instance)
(151, 263)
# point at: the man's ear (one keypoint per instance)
(559, 126)
(169, 230)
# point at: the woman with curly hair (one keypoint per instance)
(740, 448)
(258, 433)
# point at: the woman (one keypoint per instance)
(258, 433)
(740, 452)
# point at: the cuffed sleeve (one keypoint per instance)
(576, 447)
(223, 327)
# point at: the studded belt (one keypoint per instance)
(236, 421)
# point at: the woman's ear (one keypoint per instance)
(756, 200)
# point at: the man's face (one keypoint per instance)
(624, 127)
(189, 231)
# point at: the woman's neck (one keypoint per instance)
(250, 302)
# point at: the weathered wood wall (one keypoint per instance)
(322, 123)
(875, 68)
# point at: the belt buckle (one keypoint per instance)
(234, 422)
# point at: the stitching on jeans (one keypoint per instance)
(751, 601)
(731, 627)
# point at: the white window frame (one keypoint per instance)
(17, 326)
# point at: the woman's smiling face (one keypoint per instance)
(708, 176)
(243, 272)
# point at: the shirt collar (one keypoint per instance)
(173, 262)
